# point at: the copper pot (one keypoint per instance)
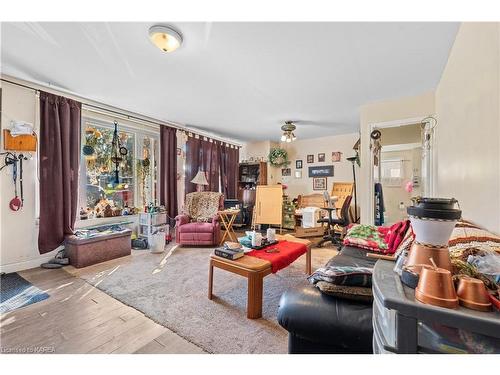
(472, 294)
(421, 254)
(435, 287)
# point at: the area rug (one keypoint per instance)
(172, 290)
(17, 292)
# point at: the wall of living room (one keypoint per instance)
(19, 230)
(468, 130)
(299, 150)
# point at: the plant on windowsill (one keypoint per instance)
(278, 157)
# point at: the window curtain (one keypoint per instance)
(60, 123)
(211, 164)
(229, 170)
(168, 169)
(193, 159)
(205, 155)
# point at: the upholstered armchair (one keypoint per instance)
(199, 222)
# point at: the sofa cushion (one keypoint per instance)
(196, 228)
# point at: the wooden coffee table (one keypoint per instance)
(254, 269)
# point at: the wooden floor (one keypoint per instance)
(79, 318)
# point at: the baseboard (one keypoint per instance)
(27, 264)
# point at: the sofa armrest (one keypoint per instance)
(328, 320)
(182, 219)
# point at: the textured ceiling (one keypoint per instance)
(240, 80)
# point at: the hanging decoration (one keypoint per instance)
(278, 157)
(118, 152)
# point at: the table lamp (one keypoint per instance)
(200, 180)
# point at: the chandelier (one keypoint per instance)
(288, 135)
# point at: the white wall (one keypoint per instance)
(18, 230)
(298, 150)
(468, 131)
(415, 107)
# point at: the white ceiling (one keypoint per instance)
(240, 80)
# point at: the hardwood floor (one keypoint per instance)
(79, 318)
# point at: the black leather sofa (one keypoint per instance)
(320, 323)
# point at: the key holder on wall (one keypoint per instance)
(16, 203)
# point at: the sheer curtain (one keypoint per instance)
(60, 123)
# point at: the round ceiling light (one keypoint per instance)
(165, 38)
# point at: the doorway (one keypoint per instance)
(400, 168)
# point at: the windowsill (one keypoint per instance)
(104, 220)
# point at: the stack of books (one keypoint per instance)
(230, 250)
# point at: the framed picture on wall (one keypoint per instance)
(298, 174)
(336, 156)
(321, 158)
(319, 183)
(310, 158)
(321, 171)
(298, 164)
(286, 172)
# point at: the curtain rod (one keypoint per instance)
(91, 104)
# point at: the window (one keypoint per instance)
(137, 183)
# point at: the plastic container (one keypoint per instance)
(386, 321)
(156, 218)
(157, 244)
(148, 230)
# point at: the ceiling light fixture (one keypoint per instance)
(288, 135)
(165, 38)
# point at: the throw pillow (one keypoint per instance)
(343, 275)
(354, 293)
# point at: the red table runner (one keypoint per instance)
(288, 253)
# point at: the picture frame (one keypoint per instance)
(336, 156)
(319, 183)
(310, 158)
(321, 157)
(298, 164)
(286, 172)
(321, 171)
(298, 174)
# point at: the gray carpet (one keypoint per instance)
(173, 292)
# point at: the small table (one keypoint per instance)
(227, 217)
(254, 269)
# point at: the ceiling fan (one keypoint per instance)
(288, 129)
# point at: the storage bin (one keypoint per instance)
(156, 218)
(386, 321)
(148, 230)
(84, 252)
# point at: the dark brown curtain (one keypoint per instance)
(60, 123)
(229, 165)
(193, 160)
(211, 164)
(205, 155)
(168, 169)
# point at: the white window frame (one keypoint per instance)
(138, 131)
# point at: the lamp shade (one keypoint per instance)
(200, 178)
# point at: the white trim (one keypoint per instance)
(28, 264)
(113, 111)
(371, 177)
(401, 147)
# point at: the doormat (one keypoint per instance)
(17, 292)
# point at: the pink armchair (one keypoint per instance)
(199, 223)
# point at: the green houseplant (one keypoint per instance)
(278, 157)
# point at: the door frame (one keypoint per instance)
(428, 166)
